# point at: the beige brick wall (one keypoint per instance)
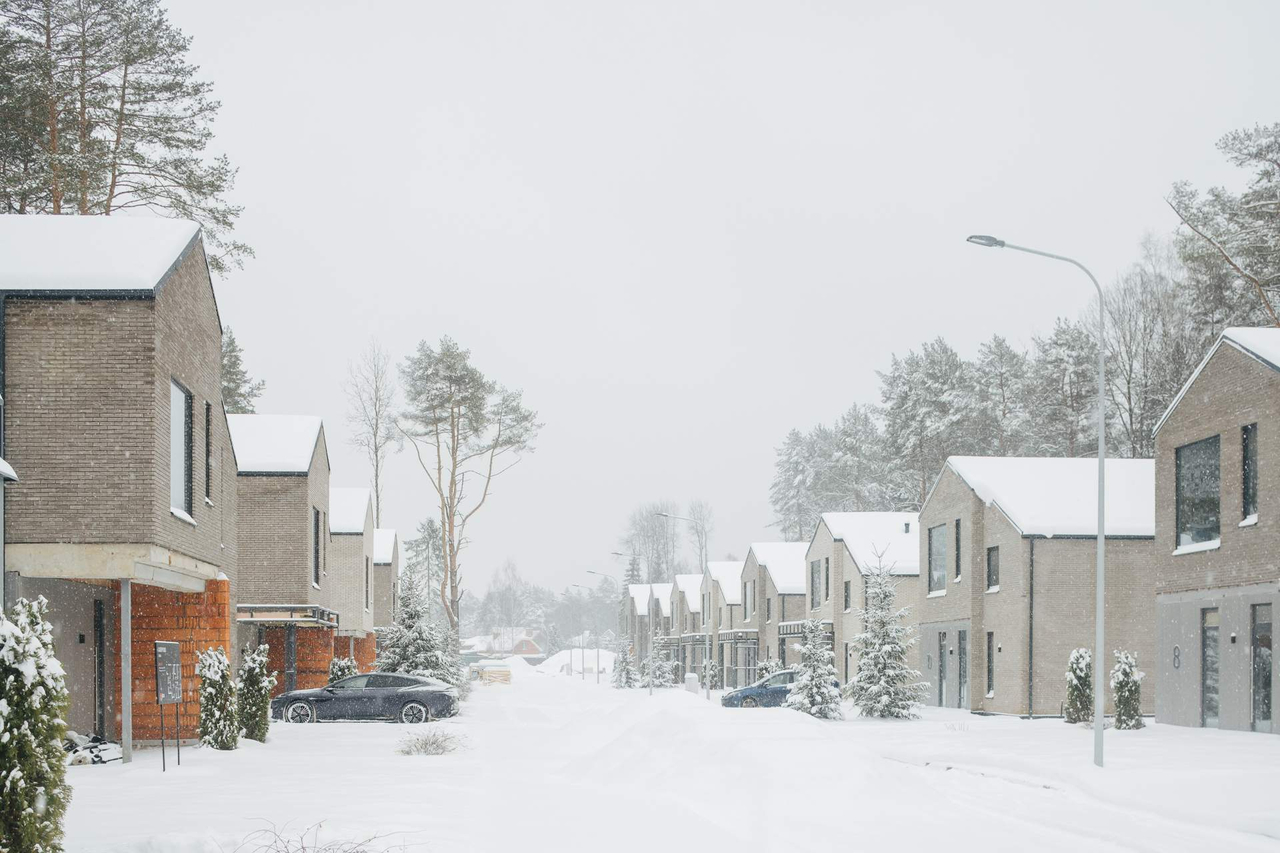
(386, 581)
(349, 554)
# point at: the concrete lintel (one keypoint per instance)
(143, 562)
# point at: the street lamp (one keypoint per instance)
(582, 647)
(702, 542)
(1099, 704)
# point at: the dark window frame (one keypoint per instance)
(958, 561)
(1248, 470)
(993, 551)
(940, 585)
(848, 595)
(991, 663)
(1180, 510)
(315, 547)
(815, 570)
(187, 440)
(208, 451)
(826, 578)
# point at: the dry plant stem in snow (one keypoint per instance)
(277, 840)
(431, 742)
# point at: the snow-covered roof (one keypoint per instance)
(691, 586)
(894, 535)
(662, 592)
(384, 545)
(785, 563)
(1059, 497)
(90, 253)
(348, 509)
(639, 593)
(1260, 343)
(727, 573)
(276, 444)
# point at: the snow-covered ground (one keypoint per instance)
(551, 762)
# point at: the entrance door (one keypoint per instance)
(942, 669)
(1209, 624)
(962, 668)
(1260, 652)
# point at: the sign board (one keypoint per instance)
(168, 673)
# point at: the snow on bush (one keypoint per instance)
(884, 685)
(1079, 707)
(713, 675)
(1126, 684)
(340, 668)
(624, 668)
(814, 691)
(769, 667)
(431, 742)
(33, 701)
(659, 669)
(219, 717)
(254, 688)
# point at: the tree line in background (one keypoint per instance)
(1162, 314)
(655, 537)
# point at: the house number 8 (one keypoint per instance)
(1177, 657)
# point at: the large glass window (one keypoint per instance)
(1261, 660)
(993, 567)
(179, 448)
(1249, 469)
(937, 558)
(1209, 626)
(1197, 476)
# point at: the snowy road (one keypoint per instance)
(552, 763)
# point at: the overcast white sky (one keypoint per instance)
(685, 227)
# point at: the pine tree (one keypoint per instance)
(624, 667)
(884, 685)
(1079, 706)
(239, 390)
(219, 713)
(814, 691)
(1126, 684)
(417, 647)
(424, 570)
(254, 692)
(33, 704)
(342, 667)
(1000, 386)
(1064, 391)
(659, 669)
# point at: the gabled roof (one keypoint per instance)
(384, 545)
(348, 509)
(662, 592)
(1046, 496)
(274, 444)
(108, 254)
(1260, 343)
(639, 593)
(691, 586)
(727, 573)
(785, 563)
(894, 535)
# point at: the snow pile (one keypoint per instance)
(276, 444)
(349, 509)
(559, 662)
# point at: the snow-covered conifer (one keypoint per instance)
(342, 667)
(884, 685)
(1126, 684)
(33, 702)
(658, 668)
(624, 667)
(254, 692)
(713, 675)
(1079, 707)
(814, 691)
(219, 716)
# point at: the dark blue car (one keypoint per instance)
(377, 696)
(769, 692)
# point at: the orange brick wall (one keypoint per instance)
(315, 652)
(363, 649)
(196, 620)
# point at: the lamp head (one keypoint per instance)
(986, 240)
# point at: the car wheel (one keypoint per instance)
(415, 712)
(750, 703)
(299, 712)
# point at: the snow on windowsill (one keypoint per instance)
(208, 502)
(1249, 521)
(182, 516)
(991, 694)
(937, 593)
(848, 610)
(995, 588)
(315, 585)
(958, 577)
(1211, 545)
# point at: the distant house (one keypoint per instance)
(773, 597)
(386, 577)
(1217, 528)
(721, 615)
(504, 642)
(352, 591)
(635, 618)
(1007, 572)
(686, 622)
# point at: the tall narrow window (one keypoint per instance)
(958, 561)
(962, 669)
(937, 558)
(815, 578)
(368, 585)
(768, 610)
(208, 451)
(993, 567)
(826, 578)
(179, 449)
(1196, 473)
(1260, 652)
(315, 547)
(848, 594)
(1249, 469)
(991, 663)
(1209, 627)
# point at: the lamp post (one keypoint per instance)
(582, 647)
(1099, 703)
(702, 542)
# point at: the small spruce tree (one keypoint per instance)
(33, 702)
(1126, 684)
(219, 715)
(1079, 707)
(254, 691)
(884, 685)
(814, 691)
(713, 675)
(624, 668)
(342, 667)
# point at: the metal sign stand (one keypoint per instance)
(169, 692)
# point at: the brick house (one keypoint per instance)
(686, 621)
(386, 577)
(845, 546)
(351, 590)
(722, 611)
(283, 534)
(772, 594)
(635, 619)
(666, 644)
(125, 517)
(1218, 538)
(1007, 569)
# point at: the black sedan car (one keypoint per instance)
(376, 696)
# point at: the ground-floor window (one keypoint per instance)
(1260, 644)
(1209, 625)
